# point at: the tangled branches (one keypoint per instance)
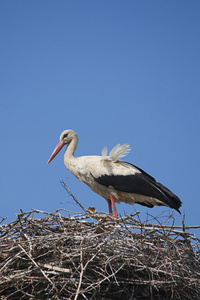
(78, 257)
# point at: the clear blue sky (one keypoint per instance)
(113, 71)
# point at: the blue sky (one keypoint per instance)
(113, 71)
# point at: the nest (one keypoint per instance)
(93, 256)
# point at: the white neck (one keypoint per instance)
(69, 152)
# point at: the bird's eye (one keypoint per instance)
(64, 136)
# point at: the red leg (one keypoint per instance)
(110, 207)
(113, 205)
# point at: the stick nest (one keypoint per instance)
(87, 256)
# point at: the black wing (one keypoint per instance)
(142, 184)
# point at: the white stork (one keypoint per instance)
(112, 178)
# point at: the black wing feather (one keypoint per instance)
(142, 171)
(142, 184)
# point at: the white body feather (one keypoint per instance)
(116, 153)
(85, 168)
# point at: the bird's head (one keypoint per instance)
(65, 138)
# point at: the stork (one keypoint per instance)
(114, 179)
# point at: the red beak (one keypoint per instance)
(56, 150)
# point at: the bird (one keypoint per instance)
(112, 178)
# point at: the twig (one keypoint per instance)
(81, 274)
(71, 194)
(43, 273)
(55, 268)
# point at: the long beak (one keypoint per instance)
(56, 150)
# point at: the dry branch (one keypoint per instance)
(59, 257)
